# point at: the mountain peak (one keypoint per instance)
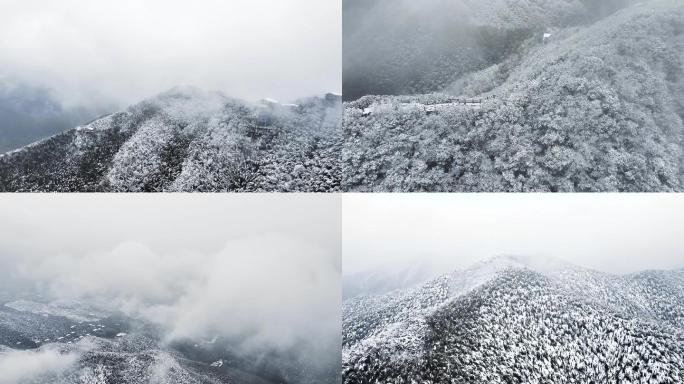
(187, 91)
(535, 263)
(189, 101)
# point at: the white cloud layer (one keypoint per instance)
(269, 287)
(618, 233)
(263, 269)
(17, 367)
(123, 51)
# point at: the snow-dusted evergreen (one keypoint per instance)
(571, 107)
(189, 140)
(520, 320)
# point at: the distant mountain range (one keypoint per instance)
(187, 139)
(520, 320)
(388, 278)
(30, 113)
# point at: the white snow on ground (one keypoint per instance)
(422, 108)
(54, 309)
(218, 363)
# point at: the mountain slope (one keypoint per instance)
(189, 140)
(513, 320)
(596, 108)
(403, 47)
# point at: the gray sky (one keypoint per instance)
(198, 265)
(123, 51)
(611, 232)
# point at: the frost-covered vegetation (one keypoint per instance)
(189, 140)
(595, 107)
(519, 320)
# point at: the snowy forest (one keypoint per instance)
(187, 139)
(571, 95)
(514, 319)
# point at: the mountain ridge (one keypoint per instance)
(414, 334)
(187, 139)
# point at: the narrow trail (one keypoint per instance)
(434, 108)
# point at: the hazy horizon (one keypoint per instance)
(121, 53)
(610, 233)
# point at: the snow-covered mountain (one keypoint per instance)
(189, 140)
(595, 107)
(520, 320)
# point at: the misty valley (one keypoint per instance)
(169, 291)
(79, 343)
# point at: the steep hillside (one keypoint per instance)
(404, 47)
(189, 140)
(517, 320)
(595, 108)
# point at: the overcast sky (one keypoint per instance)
(264, 268)
(616, 233)
(126, 50)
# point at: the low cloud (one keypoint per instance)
(261, 273)
(124, 51)
(18, 367)
(615, 233)
(270, 291)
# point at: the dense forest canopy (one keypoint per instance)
(595, 107)
(507, 321)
